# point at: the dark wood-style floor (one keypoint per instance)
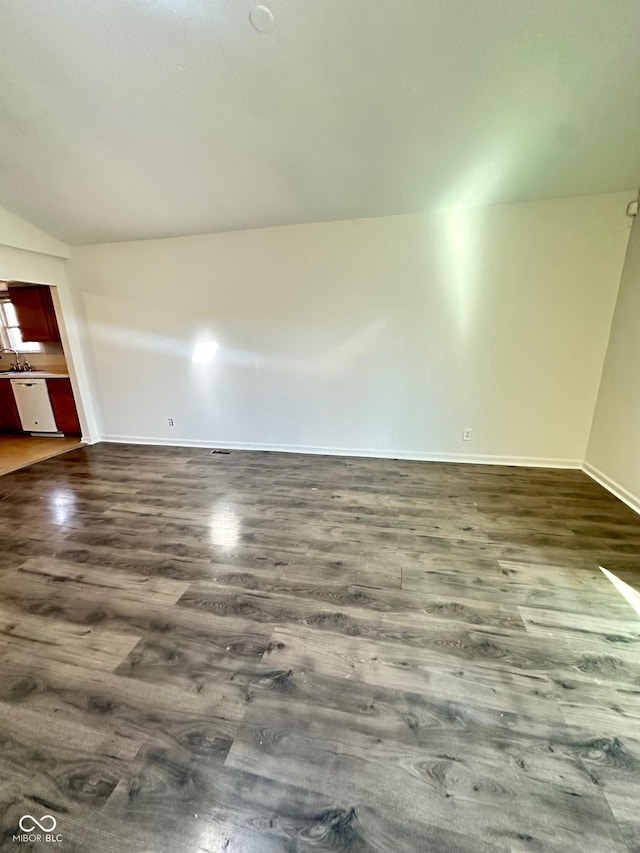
(262, 652)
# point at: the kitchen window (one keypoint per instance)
(10, 331)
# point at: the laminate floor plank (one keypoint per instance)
(267, 606)
(355, 570)
(150, 564)
(615, 764)
(45, 732)
(110, 702)
(58, 575)
(61, 640)
(461, 790)
(410, 669)
(500, 650)
(612, 710)
(613, 632)
(482, 583)
(384, 600)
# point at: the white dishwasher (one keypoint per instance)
(34, 406)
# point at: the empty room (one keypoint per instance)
(320, 426)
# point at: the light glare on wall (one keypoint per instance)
(204, 351)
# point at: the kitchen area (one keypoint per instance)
(38, 412)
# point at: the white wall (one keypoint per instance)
(384, 336)
(28, 254)
(20, 234)
(613, 455)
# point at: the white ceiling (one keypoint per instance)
(125, 119)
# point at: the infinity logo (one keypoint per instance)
(47, 823)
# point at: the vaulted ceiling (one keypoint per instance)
(126, 119)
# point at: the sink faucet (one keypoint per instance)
(17, 365)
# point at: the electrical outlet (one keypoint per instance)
(466, 434)
(170, 421)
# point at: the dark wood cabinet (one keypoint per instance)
(64, 406)
(35, 313)
(9, 417)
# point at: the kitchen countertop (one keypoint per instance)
(32, 374)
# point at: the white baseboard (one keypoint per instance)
(413, 455)
(90, 439)
(612, 486)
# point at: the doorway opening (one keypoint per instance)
(38, 406)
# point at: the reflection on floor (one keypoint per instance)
(16, 451)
